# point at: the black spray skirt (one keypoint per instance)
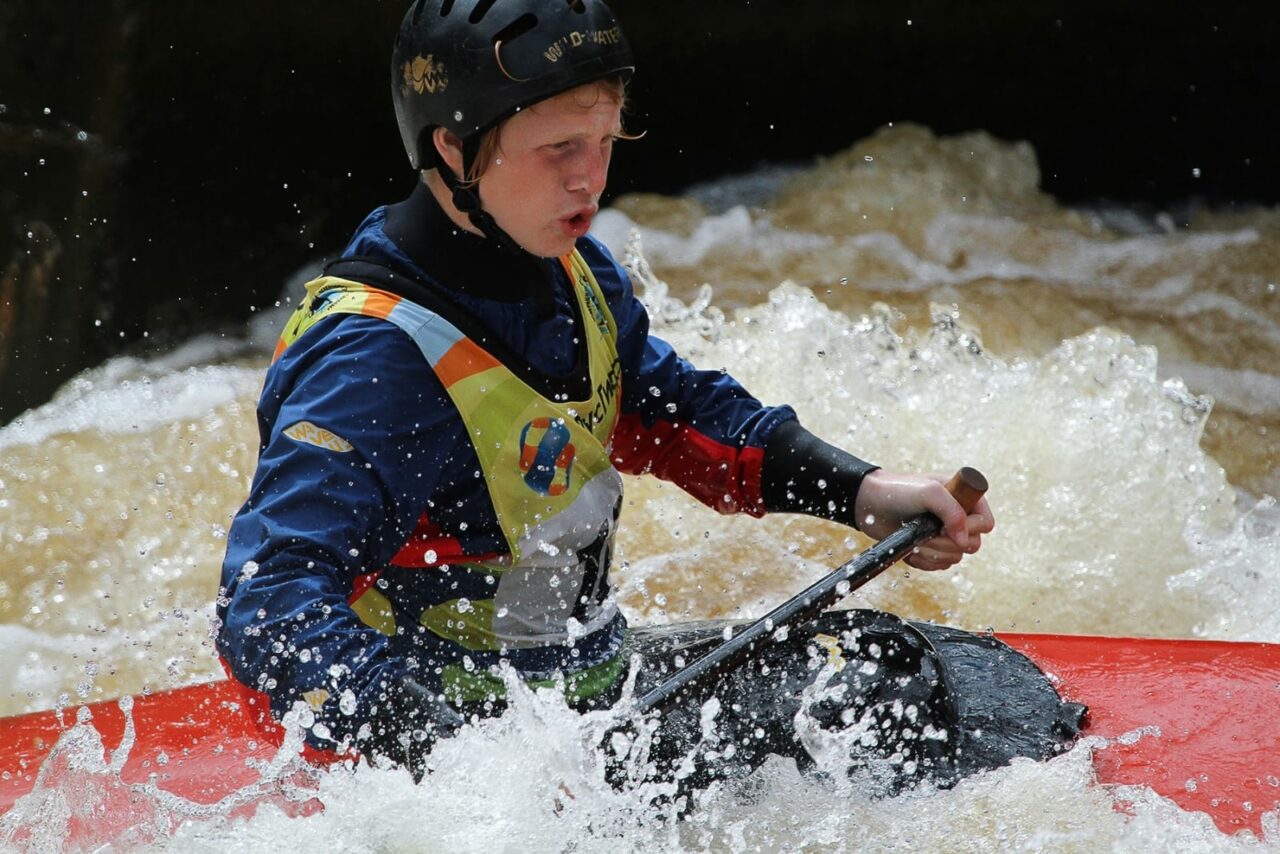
(907, 702)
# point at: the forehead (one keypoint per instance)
(582, 107)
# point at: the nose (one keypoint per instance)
(590, 174)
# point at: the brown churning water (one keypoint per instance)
(919, 301)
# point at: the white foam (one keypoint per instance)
(1093, 456)
(1246, 391)
(735, 229)
(129, 395)
(531, 781)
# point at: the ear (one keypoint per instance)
(449, 148)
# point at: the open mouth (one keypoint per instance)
(579, 223)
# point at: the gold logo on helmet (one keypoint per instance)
(425, 74)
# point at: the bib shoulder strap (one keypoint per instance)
(376, 273)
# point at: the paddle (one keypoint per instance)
(967, 485)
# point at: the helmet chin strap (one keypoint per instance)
(467, 200)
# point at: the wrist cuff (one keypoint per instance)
(803, 474)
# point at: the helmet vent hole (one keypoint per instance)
(516, 28)
(417, 10)
(481, 9)
(577, 6)
(446, 7)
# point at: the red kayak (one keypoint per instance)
(1215, 705)
(1197, 721)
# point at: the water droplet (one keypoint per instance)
(347, 702)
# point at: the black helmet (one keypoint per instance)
(466, 65)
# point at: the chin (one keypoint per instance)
(551, 248)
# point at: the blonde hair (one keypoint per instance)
(490, 140)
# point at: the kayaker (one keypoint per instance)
(449, 411)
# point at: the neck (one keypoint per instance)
(444, 197)
(461, 260)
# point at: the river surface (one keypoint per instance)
(919, 302)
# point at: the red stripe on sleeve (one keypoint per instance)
(723, 477)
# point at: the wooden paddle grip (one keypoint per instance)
(967, 486)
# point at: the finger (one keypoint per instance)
(943, 546)
(931, 563)
(942, 557)
(955, 522)
(954, 518)
(981, 519)
(947, 545)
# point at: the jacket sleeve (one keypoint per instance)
(699, 429)
(342, 475)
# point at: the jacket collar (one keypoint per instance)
(464, 262)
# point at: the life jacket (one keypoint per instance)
(546, 466)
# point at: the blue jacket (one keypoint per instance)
(316, 523)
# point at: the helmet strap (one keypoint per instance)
(467, 200)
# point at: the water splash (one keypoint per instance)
(533, 779)
(88, 798)
(1102, 492)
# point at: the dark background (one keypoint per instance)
(164, 166)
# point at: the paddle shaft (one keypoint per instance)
(967, 485)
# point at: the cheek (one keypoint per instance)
(529, 191)
(523, 201)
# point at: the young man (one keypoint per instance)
(447, 415)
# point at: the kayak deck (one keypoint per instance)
(1215, 704)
